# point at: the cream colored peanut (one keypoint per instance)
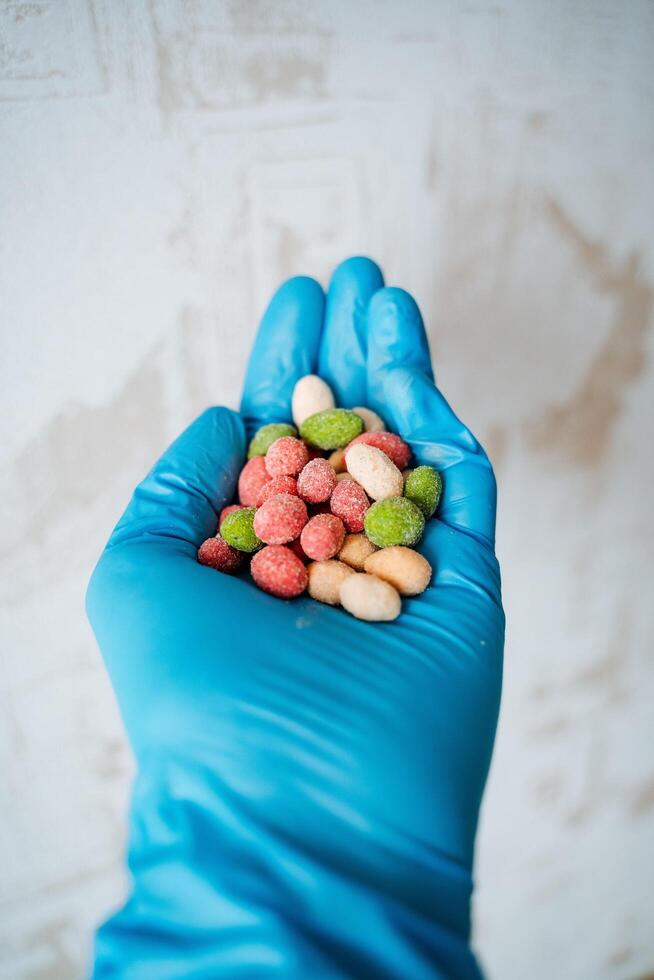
(403, 568)
(370, 598)
(344, 476)
(371, 421)
(325, 580)
(372, 468)
(310, 395)
(356, 548)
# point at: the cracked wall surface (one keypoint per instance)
(163, 164)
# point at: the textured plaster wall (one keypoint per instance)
(162, 166)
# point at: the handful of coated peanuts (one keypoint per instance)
(329, 505)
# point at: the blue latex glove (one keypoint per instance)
(308, 784)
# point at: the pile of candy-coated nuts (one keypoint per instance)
(335, 511)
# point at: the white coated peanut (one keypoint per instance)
(370, 598)
(355, 549)
(376, 473)
(403, 568)
(310, 395)
(325, 580)
(371, 421)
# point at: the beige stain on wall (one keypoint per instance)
(580, 429)
(61, 468)
(80, 451)
(203, 69)
(289, 75)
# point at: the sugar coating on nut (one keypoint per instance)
(316, 481)
(395, 448)
(405, 569)
(355, 549)
(331, 429)
(226, 511)
(325, 579)
(371, 421)
(424, 486)
(280, 519)
(322, 537)
(278, 484)
(276, 570)
(238, 530)
(370, 598)
(394, 521)
(286, 457)
(349, 502)
(266, 435)
(216, 553)
(310, 395)
(376, 473)
(253, 476)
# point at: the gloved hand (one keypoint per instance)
(308, 784)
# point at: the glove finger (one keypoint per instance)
(286, 347)
(180, 498)
(343, 349)
(396, 336)
(419, 413)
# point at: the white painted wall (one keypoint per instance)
(162, 166)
